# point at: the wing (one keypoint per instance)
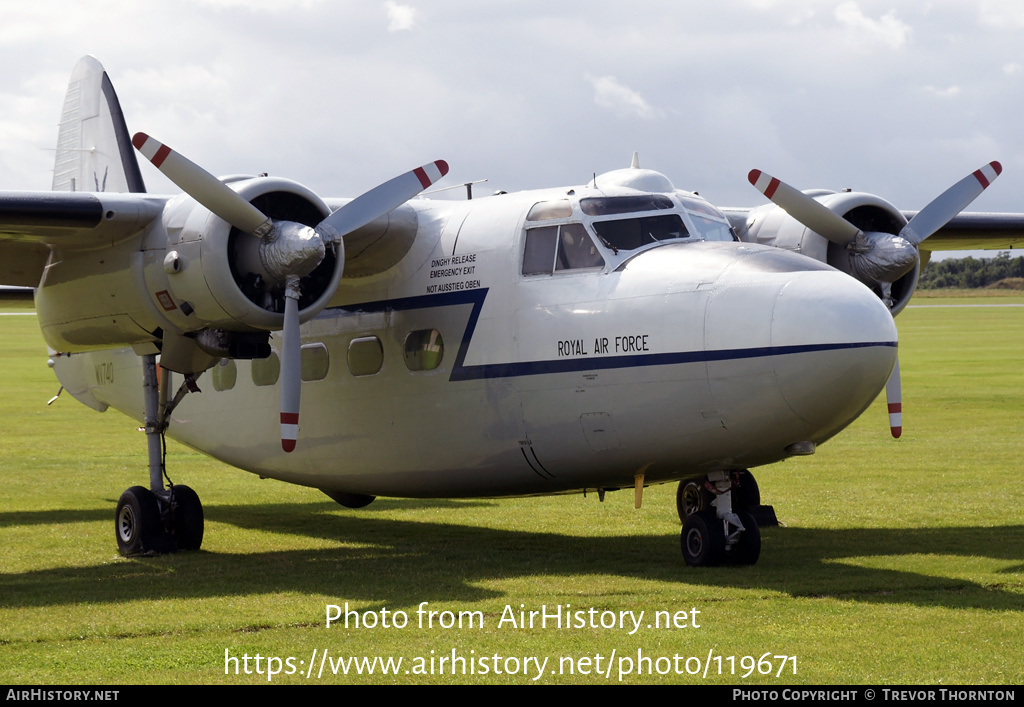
(31, 223)
(977, 231)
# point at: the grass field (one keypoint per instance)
(900, 561)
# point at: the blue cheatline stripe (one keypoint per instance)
(461, 372)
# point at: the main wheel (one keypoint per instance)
(692, 497)
(137, 523)
(703, 540)
(748, 548)
(188, 518)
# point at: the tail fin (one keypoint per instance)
(94, 149)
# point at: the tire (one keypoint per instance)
(748, 549)
(137, 523)
(703, 540)
(746, 494)
(692, 497)
(187, 523)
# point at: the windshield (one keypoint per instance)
(632, 233)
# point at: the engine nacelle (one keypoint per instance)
(771, 225)
(189, 286)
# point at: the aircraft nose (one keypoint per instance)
(834, 345)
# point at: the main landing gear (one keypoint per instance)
(158, 520)
(717, 523)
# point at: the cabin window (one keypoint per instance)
(224, 374)
(266, 371)
(315, 362)
(553, 248)
(424, 350)
(365, 356)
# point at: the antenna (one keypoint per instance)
(468, 185)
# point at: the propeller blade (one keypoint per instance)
(382, 199)
(291, 369)
(894, 400)
(204, 187)
(944, 207)
(805, 209)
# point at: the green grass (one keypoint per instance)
(900, 561)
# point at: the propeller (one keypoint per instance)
(877, 258)
(894, 400)
(288, 251)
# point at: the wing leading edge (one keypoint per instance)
(977, 231)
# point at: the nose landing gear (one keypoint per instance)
(713, 532)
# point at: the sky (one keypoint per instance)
(894, 98)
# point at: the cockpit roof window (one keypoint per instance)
(547, 210)
(610, 205)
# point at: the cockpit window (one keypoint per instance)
(632, 233)
(556, 248)
(710, 223)
(611, 205)
(700, 206)
(576, 249)
(711, 230)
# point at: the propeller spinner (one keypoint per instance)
(288, 251)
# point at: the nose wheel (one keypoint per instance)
(713, 532)
(703, 540)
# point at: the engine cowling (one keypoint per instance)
(211, 284)
(209, 273)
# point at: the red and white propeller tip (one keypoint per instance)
(381, 199)
(894, 401)
(943, 208)
(805, 209)
(204, 187)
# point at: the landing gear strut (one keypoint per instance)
(713, 532)
(158, 520)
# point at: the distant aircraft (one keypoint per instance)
(605, 336)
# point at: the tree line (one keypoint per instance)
(968, 273)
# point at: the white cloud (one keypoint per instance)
(1001, 14)
(888, 29)
(609, 93)
(400, 17)
(948, 92)
(800, 16)
(1012, 69)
